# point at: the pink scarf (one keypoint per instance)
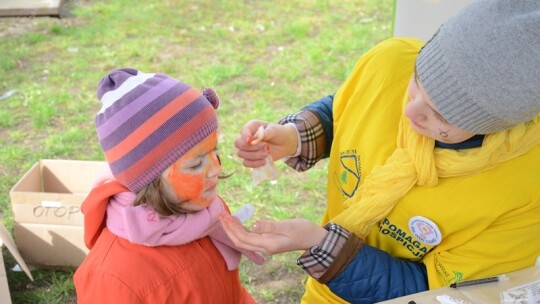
(142, 225)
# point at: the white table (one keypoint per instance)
(484, 293)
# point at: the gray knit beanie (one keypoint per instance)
(482, 68)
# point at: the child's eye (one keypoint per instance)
(203, 160)
(196, 166)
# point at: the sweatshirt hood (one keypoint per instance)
(94, 209)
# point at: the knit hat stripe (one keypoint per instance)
(113, 80)
(129, 136)
(186, 119)
(130, 106)
(149, 159)
(129, 97)
(120, 132)
(127, 84)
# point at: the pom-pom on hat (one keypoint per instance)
(148, 121)
(481, 69)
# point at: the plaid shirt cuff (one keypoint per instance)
(312, 139)
(318, 259)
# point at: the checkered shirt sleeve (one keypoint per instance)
(312, 139)
(318, 259)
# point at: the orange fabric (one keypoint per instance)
(96, 206)
(117, 271)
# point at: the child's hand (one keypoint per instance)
(272, 237)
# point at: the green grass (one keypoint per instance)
(265, 59)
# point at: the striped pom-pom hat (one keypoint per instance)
(148, 121)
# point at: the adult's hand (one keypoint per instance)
(272, 237)
(277, 140)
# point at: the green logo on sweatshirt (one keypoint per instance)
(348, 177)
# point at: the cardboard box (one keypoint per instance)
(5, 239)
(47, 219)
(30, 7)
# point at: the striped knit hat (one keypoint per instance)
(148, 121)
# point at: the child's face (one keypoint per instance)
(426, 120)
(192, 180)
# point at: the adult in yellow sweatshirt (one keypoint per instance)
(434, 162)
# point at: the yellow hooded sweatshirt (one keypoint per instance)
(463, 213)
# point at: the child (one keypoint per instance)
(152, 222)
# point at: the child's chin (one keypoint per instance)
(208, 200)
(210, 195)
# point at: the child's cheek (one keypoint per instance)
(186, 186)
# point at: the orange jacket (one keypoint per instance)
(117, 271)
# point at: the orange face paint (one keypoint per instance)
(194, 176)
(186, 186)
